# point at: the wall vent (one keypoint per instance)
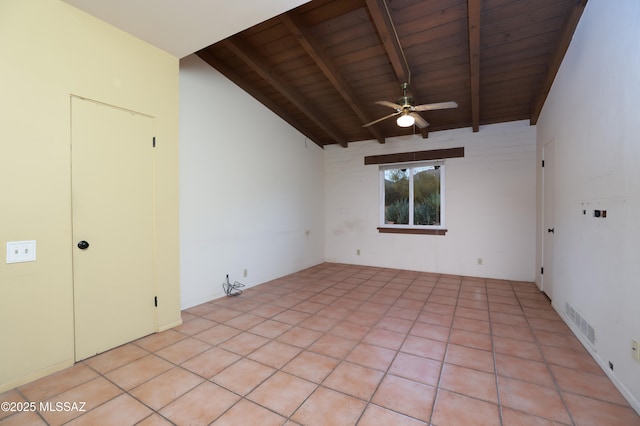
(585, 328)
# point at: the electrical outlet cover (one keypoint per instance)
(21, 251)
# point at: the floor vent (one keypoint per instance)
(585, 328)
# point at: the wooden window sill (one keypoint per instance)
(388, 230)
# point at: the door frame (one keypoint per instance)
(548, 204)
(152, 199)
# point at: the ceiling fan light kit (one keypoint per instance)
(405, 120)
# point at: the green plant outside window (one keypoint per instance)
(413, 195)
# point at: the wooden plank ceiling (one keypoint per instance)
(322, 66)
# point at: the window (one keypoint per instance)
(412, 190)
(412, 197)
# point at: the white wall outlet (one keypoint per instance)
(245, 273)
(480, 261)
(358, 252)
(21, 251)
(635, 348)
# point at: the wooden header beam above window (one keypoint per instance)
(407, 157)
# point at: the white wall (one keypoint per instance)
(251, 188)
(593, 115)
(490, 205)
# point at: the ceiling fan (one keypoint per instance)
(408, 111)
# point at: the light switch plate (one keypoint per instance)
(21, 251)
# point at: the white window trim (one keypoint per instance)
(412, 165)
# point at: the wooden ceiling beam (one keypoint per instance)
(384, 26)
(313, 48)
(254, 60)
(566, 33)
(257, 94)
(473, 18)
(386, 32)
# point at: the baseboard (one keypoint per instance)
(62, 365)
(36, 375)
(604, 365)
(165, 327)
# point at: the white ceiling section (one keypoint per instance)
(182, 27)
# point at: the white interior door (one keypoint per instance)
(548, 226)
(113, 246)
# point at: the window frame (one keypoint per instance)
(412, 228)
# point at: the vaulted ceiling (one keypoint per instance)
(322, 66)
(182, 27)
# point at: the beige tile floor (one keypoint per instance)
(345, 345)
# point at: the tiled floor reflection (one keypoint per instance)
(346, 345)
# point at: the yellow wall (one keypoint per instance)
(49, 51)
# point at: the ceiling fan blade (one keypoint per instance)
(439, 105)
(381, 119)
(420, 122)
(389, 104)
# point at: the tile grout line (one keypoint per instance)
(495, 358)
(444, 356)
(397, 352)
(546, 362)
(340, 361)
(317, 385)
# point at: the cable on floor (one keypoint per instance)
(232, 289)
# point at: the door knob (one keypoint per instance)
(83, 245)
(551, 230)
